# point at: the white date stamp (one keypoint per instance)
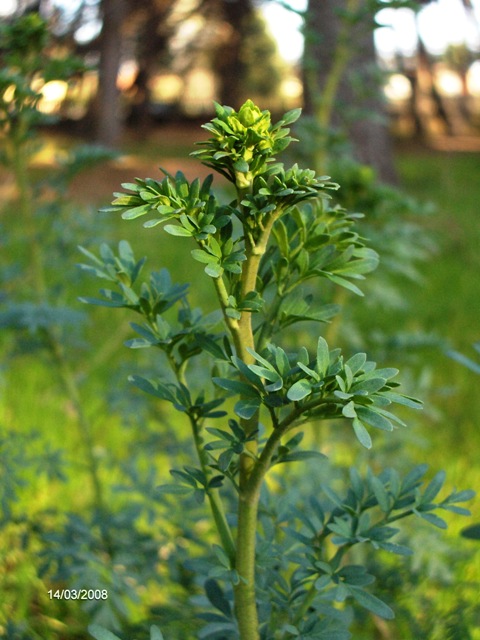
(78, 594)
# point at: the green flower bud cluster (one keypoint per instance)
(244, 141)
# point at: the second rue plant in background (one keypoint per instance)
(262, 251)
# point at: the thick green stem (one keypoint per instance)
(252, 473)
(255, 251)
(245, 605)
(252, 469)
(245, 601)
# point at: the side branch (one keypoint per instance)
(215, 501)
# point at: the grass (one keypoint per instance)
(448, 301)
(447, 304)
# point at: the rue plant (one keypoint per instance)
(273, 253)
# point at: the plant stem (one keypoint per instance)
(215, 501)
(252, 470)
(232, 323)
(309, 598)
(312, 592)
(249, 493)
(244, 591)
(71, 388)
(255, 251)
(250, 486)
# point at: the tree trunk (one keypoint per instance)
(229, 65)
(152, 48)
(108, 110)
(341, 79)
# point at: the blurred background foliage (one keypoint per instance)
(393, 114)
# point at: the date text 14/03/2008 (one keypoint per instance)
(78, 594)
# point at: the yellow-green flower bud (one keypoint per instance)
(235, 125)
(248, 154)
(243, 180)
(249, 114)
